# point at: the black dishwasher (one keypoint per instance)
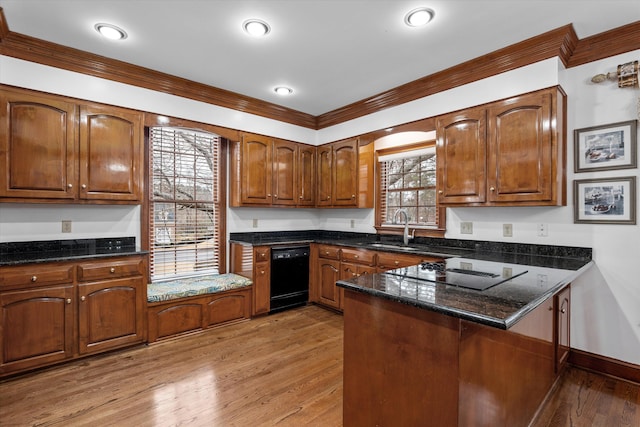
(289, 277)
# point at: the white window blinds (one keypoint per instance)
(185, 203)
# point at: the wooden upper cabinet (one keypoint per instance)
(111, 153)
(325, 173)
(507, 153)
(306, 175)
(461, 156)
(271, 172)
(523, 150)
(256, 169)
(37, 146)
(53, 149)
(345, 175)
(285, 173)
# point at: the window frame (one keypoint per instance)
(419, 231)
(153, 120)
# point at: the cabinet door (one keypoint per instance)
(37, 146)
(461, 153)
(306, 175)
(329, 274)
(325, 172)
(345, 173)
(37, 327)
(262, 288)
(110, 314)
(285, 172)
(111, 156)
(520, 149)
(256, 170)
(563, 317)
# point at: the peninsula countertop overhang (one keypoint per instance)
(500, 306)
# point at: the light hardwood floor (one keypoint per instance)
(278, 370)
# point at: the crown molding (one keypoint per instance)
(604, 45)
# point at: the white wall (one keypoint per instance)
(606, 300)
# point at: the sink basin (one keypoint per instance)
(394, 247)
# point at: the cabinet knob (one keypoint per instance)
(355, 256)
(353, 196)
(82, 298)
(261, 271)
(70, 185)
(68, 300)
(563, 310)
(328, 197)
(300, 197)
(268, 195)
(396, 262)
(83, 186)
(440, 192)
(34, 278)
(492, 188)
(275, 195)
(112, 270)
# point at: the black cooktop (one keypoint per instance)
(467, 273)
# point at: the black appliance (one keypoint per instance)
(289, 277)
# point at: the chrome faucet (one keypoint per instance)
(405, 235)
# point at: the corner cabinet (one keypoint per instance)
(507, 153)
(271, 172)
(345, 175)
(52, 312)
(56, 149)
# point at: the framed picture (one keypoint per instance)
(606, 147)
(605, 201)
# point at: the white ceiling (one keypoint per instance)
(331, 52)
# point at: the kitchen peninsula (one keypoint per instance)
(423, 345)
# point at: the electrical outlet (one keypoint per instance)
(507, 230)
(255, 223)
(543, 230)
(353, 223)
(66, 226)
(507, 272)
(466, 227)
(466, 265)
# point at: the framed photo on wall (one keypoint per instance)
(605, 201)
(606, 147)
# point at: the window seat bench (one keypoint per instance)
(192, 304)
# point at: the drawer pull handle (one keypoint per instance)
(34, 278)
(112, 270)
(68, 300)
(82, 298)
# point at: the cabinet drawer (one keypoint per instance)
(110, 269)
(35, 275)
(389, 261)
(330, 252)
(261, 253)
(358, 256)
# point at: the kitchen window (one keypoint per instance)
(186, 208)
(407, 181)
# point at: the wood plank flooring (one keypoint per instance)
(279, 370)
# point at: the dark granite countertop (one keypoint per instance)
(17, 253)
(549, 269)
(500, 306)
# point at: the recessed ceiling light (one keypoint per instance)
(419, 16)
(283, 90)
(111, 31)
(256, 27)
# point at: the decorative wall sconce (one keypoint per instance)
(626, 75)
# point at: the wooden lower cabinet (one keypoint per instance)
(48, 314)
(37, 327)
(562, 307)
(254, 262)
(328, 293)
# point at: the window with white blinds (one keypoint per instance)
(408, 181)
(185, 205)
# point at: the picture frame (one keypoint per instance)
(605, 201)
(606, 147)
